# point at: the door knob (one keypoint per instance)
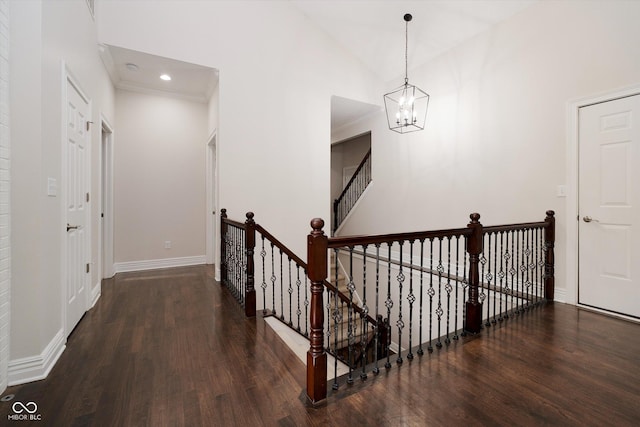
(72, 227)
(589, 219)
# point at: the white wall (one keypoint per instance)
(5, 199)
(45, 34)
(277, 76)
(159, 174)
(496, 136)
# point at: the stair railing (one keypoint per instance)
(283, 286)
(431, 282)
(352, 191)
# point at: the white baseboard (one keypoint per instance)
(153, 264)
(560, 295)
(95, 293)
(34, 368)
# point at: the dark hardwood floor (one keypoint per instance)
(172, 348)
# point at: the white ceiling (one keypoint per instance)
(189, 81)
(373, 31)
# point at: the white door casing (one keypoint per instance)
(106, 200)
(76, 176)
(609, 193)
(211, 192)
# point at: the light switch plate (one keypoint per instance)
(52, 187)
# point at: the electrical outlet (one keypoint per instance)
(167, 244)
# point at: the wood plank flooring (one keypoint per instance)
(172, 348)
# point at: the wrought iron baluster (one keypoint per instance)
(431, 293)
(273, 280)
(306, 305)
(337, 319)
(457, 308)
(465, 285)
(484, 285)
(365, 310)
(298, 283)
(377, 331)
(350, 332)
(512, 272)
(290, 290)
(439, 310)
(400, 323)
(448, 289)
(420, 349)
(263, 285)
(539, 264)
(501, 274)
(411, 298)
(388, 303)
(281, 287)
(496, 290)
(528, 265)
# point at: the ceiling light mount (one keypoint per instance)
(406, 106)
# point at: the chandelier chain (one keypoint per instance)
(406, 48)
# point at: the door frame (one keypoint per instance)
(211, 188)
(105, 243)
(69, 78)
(573, 191)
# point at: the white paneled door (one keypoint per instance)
(609, 200)
(77, 205)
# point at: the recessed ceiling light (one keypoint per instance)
(165, 77)
(131, 66)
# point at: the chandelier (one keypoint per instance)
(406, 106)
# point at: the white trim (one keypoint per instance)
(609, 313)
(153, 264)
(121, 85)
(560, 295)
(211, 191)
(96, 291)
(34, 368)
(573, 106)
(106, 206)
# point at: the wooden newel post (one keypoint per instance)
(250, 244)
(223, 247)
(549, 259)
(317, 272)
(473, 321)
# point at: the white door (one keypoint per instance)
(609, 199)
(77, 208)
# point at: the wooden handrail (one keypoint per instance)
(346, 241)
(277, 243)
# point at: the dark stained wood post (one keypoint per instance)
(223, 247)
(250, 244)
(549, 261)
(317, 272)
(474, 248)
